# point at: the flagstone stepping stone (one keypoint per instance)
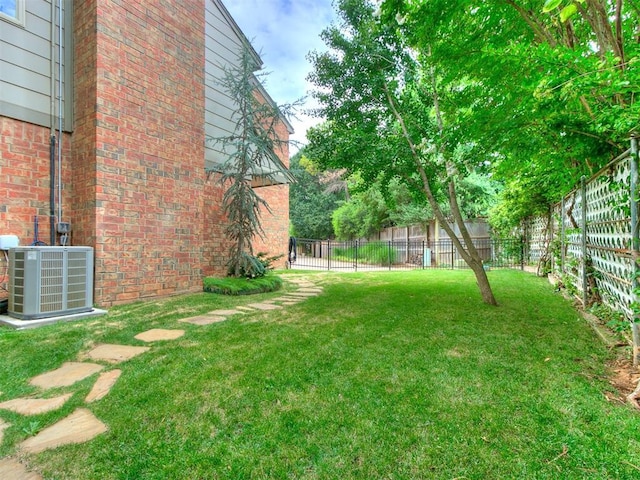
(282, 299)
(306, 290)
(264, 306)
(79, 427)
(159, 334)
(225, 313)
(106, 380)
(303, 294)
(68, 374)
(203, 320)
(302, 283)
(245, 308)
(3, 426)
(35, 406)
(11, 469)
(115, 353)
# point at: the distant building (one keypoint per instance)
(105, 107)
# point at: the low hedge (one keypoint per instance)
(242, 286)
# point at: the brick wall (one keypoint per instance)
(274, 223)
(139, 155)
(25, 183)
(133, 180)
(24, 179)
(215, 244)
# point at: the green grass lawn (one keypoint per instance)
(398, 375)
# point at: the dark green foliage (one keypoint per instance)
(310, 206)
(250, 266)
(242, 286)
(250, 153)
(545, 94)
(374, 253)
(362, 216)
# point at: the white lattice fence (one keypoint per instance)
(538, 237)
(606, 251)
(609, 235)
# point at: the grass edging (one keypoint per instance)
(242, 286)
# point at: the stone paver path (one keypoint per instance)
(11, 469)
(115, 353)
(103, 385)
(68, 374)
(156, 334)
(82, 425)
(78, 427)
(264, 306)
(203, 320)
(226, 313)
(35, 406)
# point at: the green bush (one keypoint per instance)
(242, 286)
(254, 266)
(374, 253)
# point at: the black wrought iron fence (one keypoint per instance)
(403, 254)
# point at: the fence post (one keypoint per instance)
(452, 255)
(635, 247)
(328, 254)
(389, 255)
(355, 265)
(583, 227)
(424, 256)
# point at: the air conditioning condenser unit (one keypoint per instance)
(50, 281)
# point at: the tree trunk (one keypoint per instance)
(468, 251)
(483, 281)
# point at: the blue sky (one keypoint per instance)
(284, 32)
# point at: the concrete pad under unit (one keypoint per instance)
(103, 385)
(39, 322)
(115, 353)
(35, 406)
(68, 374)
(79, 427)
(11, 469)
(159, 334)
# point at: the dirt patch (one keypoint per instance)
(624, 379)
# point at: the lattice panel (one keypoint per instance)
(538, 238)
(572, 217)
(609, 235)
(608, 231)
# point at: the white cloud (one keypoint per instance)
(284, 32)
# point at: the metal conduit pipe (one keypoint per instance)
(52, 141)
(59, 3)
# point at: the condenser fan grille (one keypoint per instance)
(50, 281)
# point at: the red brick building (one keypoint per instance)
(114, 101)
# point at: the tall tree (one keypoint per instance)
(310, 204)
(250, 152)
(383, 105)
(550, 87)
